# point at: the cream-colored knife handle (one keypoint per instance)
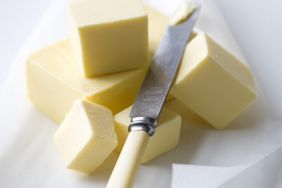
(129, 160)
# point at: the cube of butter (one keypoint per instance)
(165, 138)
(213, 83)
(86, 137)
(54, 83)
(109, 36)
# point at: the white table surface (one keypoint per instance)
(17, 20)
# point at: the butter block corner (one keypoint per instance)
(86, 137)
(213, 83)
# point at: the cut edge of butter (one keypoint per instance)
(183, 12)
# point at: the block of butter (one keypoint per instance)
(86, 137)
(108, 36)
(213, 83)
(217, 105)
(165, 138)
(54, 83)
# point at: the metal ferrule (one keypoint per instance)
(145, 124)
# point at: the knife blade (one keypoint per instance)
(159, 79)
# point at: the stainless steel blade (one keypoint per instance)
(161, 73)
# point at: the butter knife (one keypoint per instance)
(152, 95)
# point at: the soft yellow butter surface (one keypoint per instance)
(183, 12)
(213, 83)
(157, 26)
(108, 36)
(54, 83)
(86, 137)
(165, 138)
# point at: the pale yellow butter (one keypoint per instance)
(157, 26)
(165, 138)
(86, 137)
(54, 83)
(108, 36)
(183, 12)
(213, 83)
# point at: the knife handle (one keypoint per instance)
(129, 159)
